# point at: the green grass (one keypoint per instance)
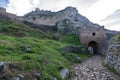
(71, 39)
(117, 37)
(45, 50)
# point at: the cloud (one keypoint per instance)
(101, 9)
(113, 16)
(21, 7)
(112, 21)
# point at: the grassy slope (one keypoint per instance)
(44, 54)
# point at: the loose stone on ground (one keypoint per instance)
(92, 69)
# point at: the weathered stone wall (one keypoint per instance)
(8, 16)
(44, 20)
(94, 33)
(2, 10)
(113, 55)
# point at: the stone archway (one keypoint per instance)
(94, 45)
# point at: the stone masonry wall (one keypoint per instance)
(113, 55)
(86, 34)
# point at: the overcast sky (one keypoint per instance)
(94, 10)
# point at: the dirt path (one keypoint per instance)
(92, 69)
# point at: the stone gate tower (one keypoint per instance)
(93, 36)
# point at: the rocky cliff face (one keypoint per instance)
(113, 54)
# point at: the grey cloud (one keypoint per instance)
(54, 5)
(117, 22)
(113, 16)
(112, 20)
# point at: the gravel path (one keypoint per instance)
(92, 69)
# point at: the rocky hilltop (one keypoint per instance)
(68, 21)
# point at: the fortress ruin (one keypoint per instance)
(94, 37)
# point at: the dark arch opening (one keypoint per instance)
(94, 45)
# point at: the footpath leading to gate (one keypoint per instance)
(92, 69)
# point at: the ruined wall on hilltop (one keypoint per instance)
(50, 18)
(8, 16)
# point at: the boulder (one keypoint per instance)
(37, 76)
(2, 67)
(90, 49)
(64, 73)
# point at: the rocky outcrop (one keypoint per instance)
(113, 55)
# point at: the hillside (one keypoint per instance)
(43, 45)
(33, 54)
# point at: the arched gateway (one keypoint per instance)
(93, 37)
(94, 45)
